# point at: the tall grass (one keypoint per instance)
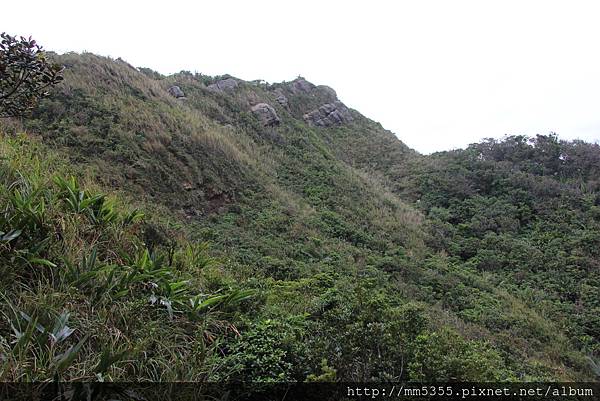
(83, 298)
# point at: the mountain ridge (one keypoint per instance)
(387, 263)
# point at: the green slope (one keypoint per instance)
(366, 260)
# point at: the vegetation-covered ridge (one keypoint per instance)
(285, 237)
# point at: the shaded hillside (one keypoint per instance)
(365, 260)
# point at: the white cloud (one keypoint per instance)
(439, 74)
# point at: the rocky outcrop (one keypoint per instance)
(328, 91)
(300, 85)
(224, 85)
(176, 91)
(252, 99)
(282, 99)
(266, 114)
(329, 114)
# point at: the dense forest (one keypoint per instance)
(197, 228)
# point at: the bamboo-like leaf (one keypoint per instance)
(43, 262)
(29, 319)
(63, 361)
(240, 295)
(9, 236)
(24, 338)
(107, 359)
(169, 306)
(61, 331)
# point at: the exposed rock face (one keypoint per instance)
(281, 99)
(176, 91)
(329, 114)
(252, 99)
(266, 113)
(224, 85)
(300, 85)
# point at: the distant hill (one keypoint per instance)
(282, 226)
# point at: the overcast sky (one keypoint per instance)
(440, 74)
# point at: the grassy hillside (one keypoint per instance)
(316, 246)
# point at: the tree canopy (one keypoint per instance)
(25, 75)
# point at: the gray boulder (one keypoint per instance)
(329, 114)
(282, 99)
(266, 114)
(176, 91)
(224, 85)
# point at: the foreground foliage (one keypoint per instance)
(84, 297)
(25, 75)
